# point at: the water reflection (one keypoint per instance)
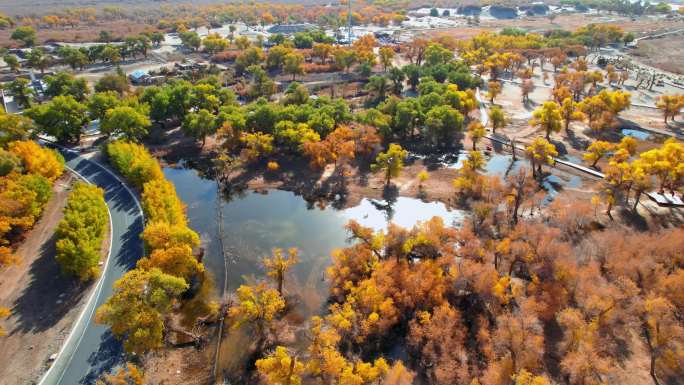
(255, 223)
(497, 164)
(637, 134)
(405, 212)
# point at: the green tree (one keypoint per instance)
(391, 162)
(75, 58)
(303, 40)
(136, 310)
(25, 34)
(101, 102)
(126, 121)
(436, 54)
(22, 93)
(190, 40)
(443, 124)
(64, 83)
(377, 88)
(14, 127)
(38, 59)
(110, 54)
(113, 82)
(199, 124)
(344, 58)
(81, 232)
(159, 101)
(12, 62)
(292, 64)
(157, 38)
(412, 72)
(249, 57)
(397, 76)
(276, 56)
(63, 118)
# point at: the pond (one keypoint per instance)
(255, 223)
(637, 134)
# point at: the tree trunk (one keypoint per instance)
(516, 207)
(280, 283)
(637, 196)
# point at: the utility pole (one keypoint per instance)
(224, 299)
(349, 22)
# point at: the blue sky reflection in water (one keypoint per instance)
(256, 223)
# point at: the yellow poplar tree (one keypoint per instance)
(280, 368)
(279, 264)
(540, 152)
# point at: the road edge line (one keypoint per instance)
(100, 283)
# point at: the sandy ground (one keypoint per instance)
(666, 53)
(82, 33)
(185, 365)
(44, 304)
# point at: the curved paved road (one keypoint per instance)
(91, 349)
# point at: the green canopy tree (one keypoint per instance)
(443, 124)
(199, 124)
(391, 162)
(12, 62)
(14, 127)
(101, 102)
(292, 64)
(63, 118)
(117, 82)
(23, 94)
(64, 83)
(25, 34)
(81, 231)
(38, 59)
(125, 120)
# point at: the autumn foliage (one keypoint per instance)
(155, 285)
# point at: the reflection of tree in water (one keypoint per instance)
(389, 196)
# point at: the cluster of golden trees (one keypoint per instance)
(660, 168)
(197, 15)
(476, 305)
(27, 172)
(143, 297)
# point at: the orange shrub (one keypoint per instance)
(314, 68)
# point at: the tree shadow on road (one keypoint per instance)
(109, 355)
(49, 296)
